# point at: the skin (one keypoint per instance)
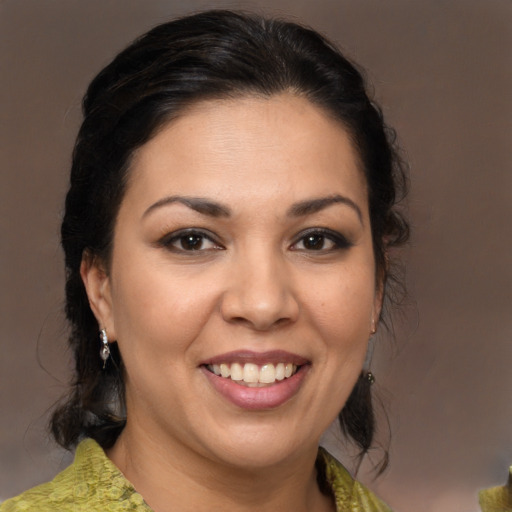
(254, 284)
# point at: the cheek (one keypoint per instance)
(160, 310)
(340, 314)
(342, 306)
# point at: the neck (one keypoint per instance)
(169, 476)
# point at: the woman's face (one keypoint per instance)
(241, 289)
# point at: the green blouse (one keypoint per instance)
(93, 483)
(497, 499)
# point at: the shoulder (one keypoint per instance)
(350, 495)
(91, 483)
(497, 499)
(49, 496)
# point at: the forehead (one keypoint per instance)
(240, 147)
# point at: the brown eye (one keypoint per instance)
(314, 242)
(186, 241)
(321, 239)
(191, 242)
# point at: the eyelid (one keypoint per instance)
(167, 240)
(341, 241)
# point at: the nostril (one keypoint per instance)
(260, 304)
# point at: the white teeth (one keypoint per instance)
(236, 372)
(252, 375)
(225, 371)
(280, 371)
(268, 373)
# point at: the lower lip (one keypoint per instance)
(257, 399)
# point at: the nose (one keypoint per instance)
(259, 293)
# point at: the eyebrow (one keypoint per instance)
(317, 204)
(199, 204)
(214, 209)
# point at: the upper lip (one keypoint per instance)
(259, 358)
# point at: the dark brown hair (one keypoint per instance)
(210, 55)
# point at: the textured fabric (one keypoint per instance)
(349, 494)
(497, 499)
(93, 484)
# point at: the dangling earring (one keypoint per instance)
(105, 350)
(368, 375)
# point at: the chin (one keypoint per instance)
(259, 447)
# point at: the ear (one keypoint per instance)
(97, 286)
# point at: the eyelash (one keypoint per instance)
(339, 241)
(168, 240)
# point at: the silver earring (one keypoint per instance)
(369, 377)
(105, 350)
(367, 374)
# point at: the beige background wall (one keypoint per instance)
(442, 69)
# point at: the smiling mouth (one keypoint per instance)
(253, 375)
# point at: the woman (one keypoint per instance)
(227, 230)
